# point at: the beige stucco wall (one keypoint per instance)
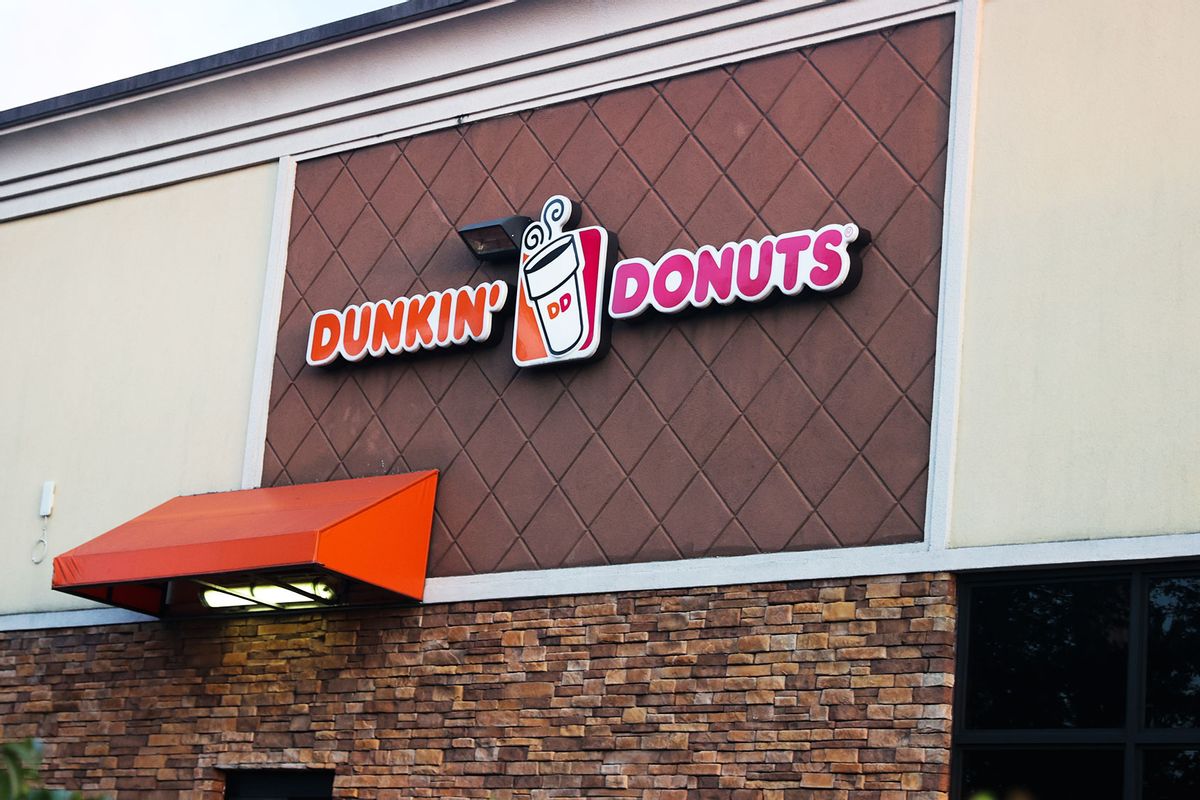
(129, 334)
(1080, 392)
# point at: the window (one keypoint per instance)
(1081, 684)
(279, 784)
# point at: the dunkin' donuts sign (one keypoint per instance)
(563, 291)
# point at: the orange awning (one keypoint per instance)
(368, 538)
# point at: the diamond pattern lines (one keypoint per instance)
(798, 424)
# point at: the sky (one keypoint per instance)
(52, 47)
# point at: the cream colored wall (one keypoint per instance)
(129, 334)
(1080, 392)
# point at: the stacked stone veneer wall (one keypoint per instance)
(826, 689)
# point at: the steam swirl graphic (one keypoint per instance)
(555, 214)
(535, 236)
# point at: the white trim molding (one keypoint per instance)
(477, 62)
(952, 291)
(858, 562)
(81, 618)
(847, 562)
(268, 330)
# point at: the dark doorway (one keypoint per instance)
(279, 784)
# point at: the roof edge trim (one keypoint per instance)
(289, 43)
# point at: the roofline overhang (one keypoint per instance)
(229, 60)
(466, 61)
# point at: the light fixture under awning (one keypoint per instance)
(342, 542)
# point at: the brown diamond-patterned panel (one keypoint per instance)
(796, 424)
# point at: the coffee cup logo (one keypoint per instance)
(559, 290)
(552, 283)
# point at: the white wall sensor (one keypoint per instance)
(47, 507)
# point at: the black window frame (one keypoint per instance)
(1134, 738)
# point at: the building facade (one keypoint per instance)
(809, 390)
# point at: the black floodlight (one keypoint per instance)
(497, 239)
